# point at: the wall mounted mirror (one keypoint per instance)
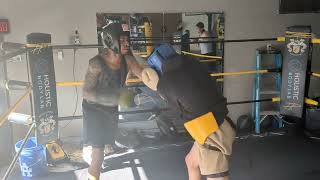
(183, 30)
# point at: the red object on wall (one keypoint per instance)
(4, 25)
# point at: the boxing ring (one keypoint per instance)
(42, 85)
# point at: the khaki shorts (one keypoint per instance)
(215, 163)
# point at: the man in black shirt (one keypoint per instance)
(185, 39)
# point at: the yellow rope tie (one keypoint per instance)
(290, 32)
(276, 99)
(298, 34)
(201, 55)
(4, 116)
(220, 80)
(315, 41)
(281, 39)
(239, 73)
(316, 74)
(311, 102)
(39, 45)
(207, 60)
(70, 83)
(306, 100)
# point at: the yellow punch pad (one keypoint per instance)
(201, 127)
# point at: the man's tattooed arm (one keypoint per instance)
(90, 91)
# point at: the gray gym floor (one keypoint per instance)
(254, 158)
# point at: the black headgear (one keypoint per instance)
(111, 33)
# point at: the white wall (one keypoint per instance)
(244, 19)
(3, 8)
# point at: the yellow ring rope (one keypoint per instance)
(201, 55)
(315, 41)
(207, 60)
(316, 74)
(238, 73)
(311, 102)
(306, 100)
(69, 83)
(80, 83)
(144, 54)
(275, 99)
(136, 80)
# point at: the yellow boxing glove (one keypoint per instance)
(126, 98)
(150, 78)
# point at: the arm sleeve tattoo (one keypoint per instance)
(90, 89)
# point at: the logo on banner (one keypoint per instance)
(47, 123)
(290, 106)
(295, 65)
(297, 47)
(42, 66)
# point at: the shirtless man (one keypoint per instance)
(206, 48)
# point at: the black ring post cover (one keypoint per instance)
(296, 54)
(44, 88)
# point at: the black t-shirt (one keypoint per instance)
(186, 85)
(185, 39)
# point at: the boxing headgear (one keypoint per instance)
(159, 56)
(111, 33)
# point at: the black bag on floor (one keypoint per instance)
(312, 123)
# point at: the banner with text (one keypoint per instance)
(294, 69)
(44, 88)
